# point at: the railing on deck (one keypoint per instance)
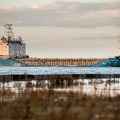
(61, 61)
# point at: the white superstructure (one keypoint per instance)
(12, 47)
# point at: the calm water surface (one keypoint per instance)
(46, 70)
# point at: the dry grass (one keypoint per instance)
(51, 105)
(42, 104)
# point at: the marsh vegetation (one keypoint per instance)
(33, 101)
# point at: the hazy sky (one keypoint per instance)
(64, 28)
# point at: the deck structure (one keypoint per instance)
(82, 62)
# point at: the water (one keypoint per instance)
(99, 88)
(51, 70)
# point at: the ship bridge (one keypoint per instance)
(11, 46)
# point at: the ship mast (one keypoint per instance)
(9, 32)
(119, 44)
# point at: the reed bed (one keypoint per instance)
(33, 101)
(52, 105)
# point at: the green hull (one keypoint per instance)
(10, 62)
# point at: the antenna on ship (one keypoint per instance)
(9, 32)
(119, 44)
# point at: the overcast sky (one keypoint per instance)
(64, 28)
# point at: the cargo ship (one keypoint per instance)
(13, 53)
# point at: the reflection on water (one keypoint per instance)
(103, 87)
(93, 85)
